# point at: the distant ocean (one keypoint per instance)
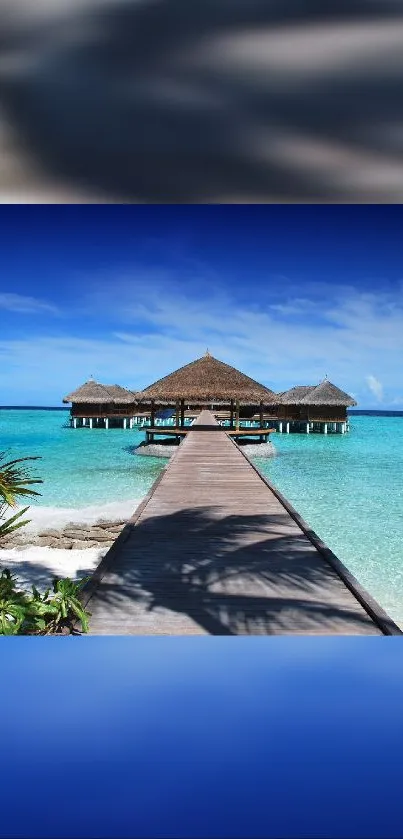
(349, 488)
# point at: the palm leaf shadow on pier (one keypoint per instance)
(189, 565)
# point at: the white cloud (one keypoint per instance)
(25, 305)
(157, 326)
(376, 387)
(296, 306)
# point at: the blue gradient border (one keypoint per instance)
(201, 737)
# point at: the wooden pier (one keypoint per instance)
(262, 434)
(215, 549)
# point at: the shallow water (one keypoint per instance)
(349, 488)
(79, 467)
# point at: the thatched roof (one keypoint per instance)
(323, 394)
(120, 394)
(208, 380)
(328, 394)
(295, 395)
(94, 393)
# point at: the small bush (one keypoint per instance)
(33, 613)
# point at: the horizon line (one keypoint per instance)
(64, 408)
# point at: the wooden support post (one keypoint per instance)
(177, 412)
(287, 427)
(261, 414)
(106, 422)
(280, 427)
(231, 419)
(124, 423)
(75, 422)
(90, 421)
(152, 417)
(325, 428)
(307, 428)
(237, 415)
(182, 413)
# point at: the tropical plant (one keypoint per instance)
(36, 613)
(66, 603)
(12, 616)
(15, 482)
(13, 605)
(8, 583)
(40, 612)
(28, 613)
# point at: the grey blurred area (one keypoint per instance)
(201, 101)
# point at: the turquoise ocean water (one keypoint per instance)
(349, 488)
(79, 467)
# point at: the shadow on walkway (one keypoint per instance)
(240, 575)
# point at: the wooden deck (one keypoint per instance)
(215, 550)
(181, 431)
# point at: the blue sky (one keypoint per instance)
(287, 293)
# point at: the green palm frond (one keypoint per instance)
(8, 526)
(16, 480)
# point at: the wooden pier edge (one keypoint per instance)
(371, 606)
(103, 566)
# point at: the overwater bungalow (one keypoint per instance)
(314, 408)
(242, 404)
(101, 406)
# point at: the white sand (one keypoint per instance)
(42, 518)
(39, 565)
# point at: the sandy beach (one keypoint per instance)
(37, 564)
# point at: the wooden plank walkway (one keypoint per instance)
(215, 550)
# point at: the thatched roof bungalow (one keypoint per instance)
(320, 403)
(207, 381)
(90, 392)
(94, 393)
(94, 401)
